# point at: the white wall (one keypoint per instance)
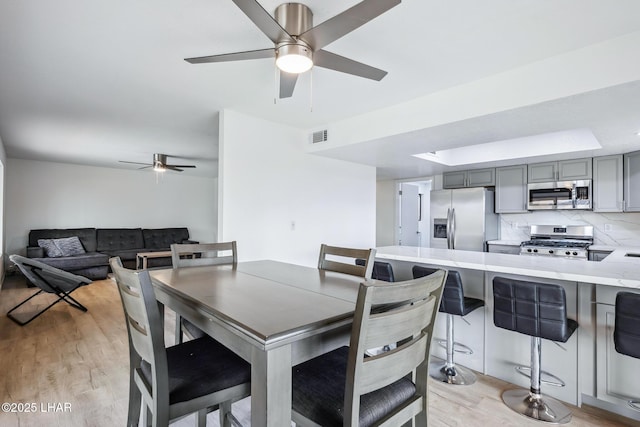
(281, 203)
(3, 162)
(386, 213)
(56, 195)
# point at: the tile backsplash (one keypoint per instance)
(611, 229)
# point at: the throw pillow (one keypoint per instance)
(69, 246)
(50, 248)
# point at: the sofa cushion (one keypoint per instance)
(163, 238)
(117, 239)
(87, 236)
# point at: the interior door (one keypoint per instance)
(409, 214)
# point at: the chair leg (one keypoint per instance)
(224, 409)
(178, 329)
(449, 372)
(62, 296)
(531, 403)
(201, 418)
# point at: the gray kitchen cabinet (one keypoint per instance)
(607, 184)
(632, 182)
(565, 170)
(469, 178)
(511, 189)
(615, 373)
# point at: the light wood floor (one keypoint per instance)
(81, 359)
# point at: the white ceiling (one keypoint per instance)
(93, 82)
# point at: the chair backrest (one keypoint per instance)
(626, 332)
(47, 278)
(342, 260)
(193, 255)
(144, 326)
(381, 270)
(531, 308)
(403, 313)
(453, 295)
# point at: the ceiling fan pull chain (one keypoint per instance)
(311, 91)
(275, 85)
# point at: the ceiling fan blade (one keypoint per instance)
(325, 59)
(134, 163)
(287, 84)
(180, 166)
(173, 168)
(236, 56)
(263, 20)
(345, 22)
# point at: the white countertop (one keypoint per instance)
(614, 270)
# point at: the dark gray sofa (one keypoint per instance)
(102, 243)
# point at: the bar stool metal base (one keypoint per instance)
(536, 406)
(456, 375)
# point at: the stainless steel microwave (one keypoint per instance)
(560, 195)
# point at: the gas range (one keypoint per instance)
(566, 241)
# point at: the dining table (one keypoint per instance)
(273, 314)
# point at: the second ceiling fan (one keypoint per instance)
(298, 45)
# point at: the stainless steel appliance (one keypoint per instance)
(567, 241)
(463, 219)
(560, 195)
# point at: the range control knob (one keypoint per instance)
(550, 251)
(575, 253)
(529, 250)
(535, 250)
(567, 253)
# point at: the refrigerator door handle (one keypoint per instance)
(448, 228)
(453, 229)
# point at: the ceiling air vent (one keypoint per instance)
(320, 136)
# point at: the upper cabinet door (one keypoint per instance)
(543, 172)
(571, 170)
(607, 184)
(454, 179)
(511, 189)
(481, 178)
(632, 182)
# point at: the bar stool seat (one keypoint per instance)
(540, 311)
(626, 332)
(453, 302)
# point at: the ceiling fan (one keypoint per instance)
(298, 45)
(160, 164)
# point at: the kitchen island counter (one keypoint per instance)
(615, 270)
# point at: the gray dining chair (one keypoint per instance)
(195, 376)
(342, 260)
(194, 255)
(346, 388)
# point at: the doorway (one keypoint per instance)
(413, 213)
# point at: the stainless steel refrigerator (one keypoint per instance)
(463, 219)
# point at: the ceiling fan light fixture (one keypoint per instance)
(294, 58)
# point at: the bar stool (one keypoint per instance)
(453, 302)
(381, 270)
(540, 311)
(626, 332)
